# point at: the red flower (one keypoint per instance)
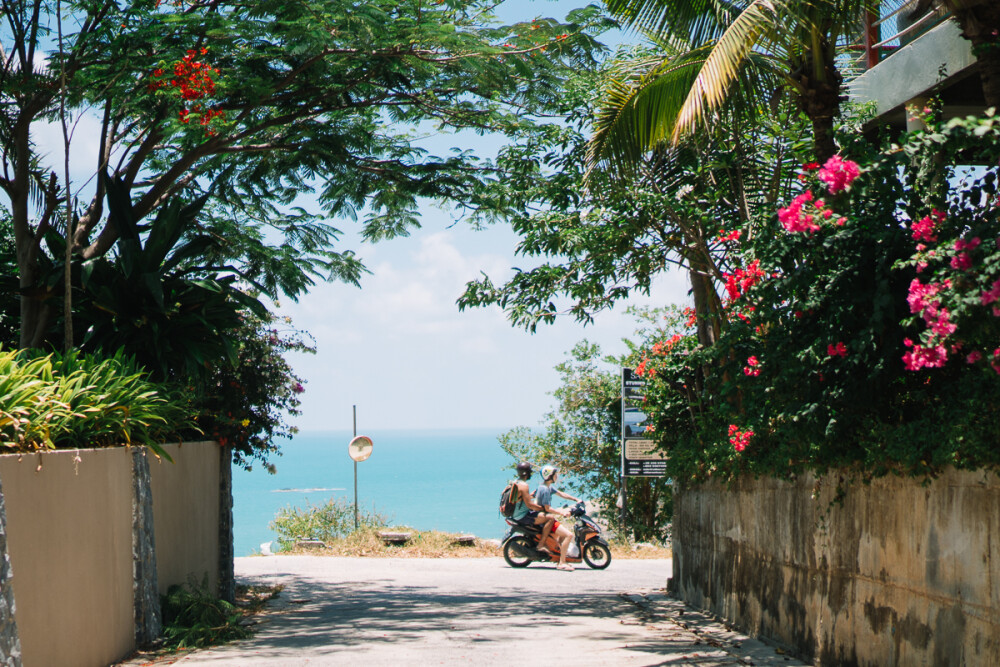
(739, 439)
(838, 350)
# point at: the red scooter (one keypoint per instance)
(520, 544)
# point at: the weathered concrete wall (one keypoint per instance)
(10, 643)
(69, 536)
(898, 573)
(186, 514)
(92, 537)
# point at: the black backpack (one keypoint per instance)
(508, 500)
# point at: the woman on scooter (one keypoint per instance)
(543, 498)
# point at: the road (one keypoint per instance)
(372, 611)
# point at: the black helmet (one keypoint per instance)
(524, 470)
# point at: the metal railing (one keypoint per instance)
(883, 34)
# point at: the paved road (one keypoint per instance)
(370, 611)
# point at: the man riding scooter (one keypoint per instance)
(528, 512)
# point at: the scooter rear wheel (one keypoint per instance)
(596, 555)
(515, 551)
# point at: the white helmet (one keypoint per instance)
(548, 472)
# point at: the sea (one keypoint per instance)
(448, 480)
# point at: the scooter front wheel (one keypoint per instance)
(596, 555)
(516, 550)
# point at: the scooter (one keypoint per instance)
(520, 544)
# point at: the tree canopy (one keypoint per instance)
(253, 105)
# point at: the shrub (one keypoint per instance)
(325, 522)
(193, 618)
(67, 401)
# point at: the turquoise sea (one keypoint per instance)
(446, 480)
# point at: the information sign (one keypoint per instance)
(638, 456)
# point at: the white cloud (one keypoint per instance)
(400, 348)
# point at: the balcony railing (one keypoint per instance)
(896, 25)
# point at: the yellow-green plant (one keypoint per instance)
(73, 400)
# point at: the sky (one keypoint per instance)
(398, 348)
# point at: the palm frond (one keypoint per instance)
(698, 21)
(723, 64)
(638, 116)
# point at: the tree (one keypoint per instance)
(582, 437)
(603, 235)
(793, 41)
(253, 104)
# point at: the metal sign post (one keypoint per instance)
(354, 410)
(359, 449)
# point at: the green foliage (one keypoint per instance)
(582, 436)
(194, 618)
(244, 404)
(76, 400)
(9, 319)
(597, 238)
(816, 361)
(324, 522)
(288, 98)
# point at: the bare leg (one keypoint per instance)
(546, 529)
(565, 538)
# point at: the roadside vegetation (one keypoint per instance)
(328, 530)
(844, 278)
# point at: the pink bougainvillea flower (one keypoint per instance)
(797, 217)
(918, 357)
(961, 262)
(971, 244)
(920, 296)
(991, 295)
(940, 324)
(752, 368)
(838, 174)
(924, 229)
(973, 357)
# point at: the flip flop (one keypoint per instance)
(565, 568)
(545, 550)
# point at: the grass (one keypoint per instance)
(436, 544)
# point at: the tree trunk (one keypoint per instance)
(703, 291)
(819, 98)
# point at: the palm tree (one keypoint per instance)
(738, 47)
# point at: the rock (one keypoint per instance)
(395, 538)
(310, 544)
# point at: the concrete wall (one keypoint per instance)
(186, 514)
(69, 535)
(896, 573)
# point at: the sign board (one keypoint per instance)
(360, 448)
(638, 457)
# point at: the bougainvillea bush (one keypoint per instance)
(863, 327)
(245, 404)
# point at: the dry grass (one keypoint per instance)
(435, 544)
